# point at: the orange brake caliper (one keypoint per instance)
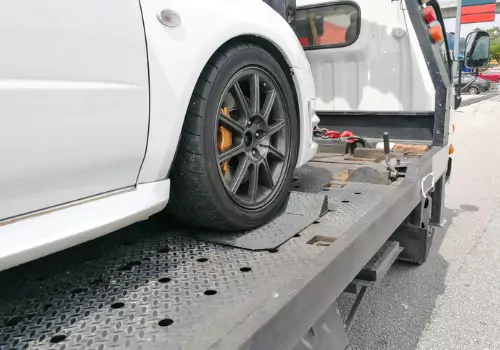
(224, 140)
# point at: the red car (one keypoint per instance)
(491, 76)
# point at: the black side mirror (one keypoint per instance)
(477, 50)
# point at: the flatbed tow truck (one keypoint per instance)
(154, 287)
(151, 287)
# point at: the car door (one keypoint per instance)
(73, 101)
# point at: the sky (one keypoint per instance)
(466, 28)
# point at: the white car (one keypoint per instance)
(110, 109)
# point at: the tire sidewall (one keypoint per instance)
(474, 89)
(236, 61)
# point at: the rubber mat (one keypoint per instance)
(300, 211)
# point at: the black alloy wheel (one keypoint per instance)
(239, 143)
(258, 125)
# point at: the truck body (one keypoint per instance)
(380, 72)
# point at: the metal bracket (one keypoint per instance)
(375, 270)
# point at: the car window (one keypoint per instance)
(327, 26)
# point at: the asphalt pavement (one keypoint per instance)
(468, 100)
(452, 302)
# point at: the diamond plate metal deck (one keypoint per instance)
(146, 287)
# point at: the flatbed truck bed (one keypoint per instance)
(154, 287)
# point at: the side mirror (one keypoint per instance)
(477, 50)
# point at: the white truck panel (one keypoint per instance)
(383, 70)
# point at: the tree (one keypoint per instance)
(495, 51)
(493, 32)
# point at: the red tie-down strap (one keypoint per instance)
(345, 136)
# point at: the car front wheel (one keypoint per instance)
(473, 90)
(239, 142)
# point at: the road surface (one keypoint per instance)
(453, 301)
(468, 100)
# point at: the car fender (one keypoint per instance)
(178, 53)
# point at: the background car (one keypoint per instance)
(493, 76)
(473, 85)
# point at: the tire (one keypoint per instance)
(473, 90)
(201, 193)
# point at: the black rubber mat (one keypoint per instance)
(300, 211)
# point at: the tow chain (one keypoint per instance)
(345, 136)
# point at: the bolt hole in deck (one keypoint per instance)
(210, 292)
(165, 322)
(246, 269)
(345, 201)
(57, 338)
(202, 259)
(117, 305)
(13, 321)
(164, 280)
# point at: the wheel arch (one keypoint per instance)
(262, 42)
(303, 89)
(275, 52)
(177, 56)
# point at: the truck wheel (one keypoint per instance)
(239, 143)
(473, 90)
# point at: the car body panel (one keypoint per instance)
(73, 101)
(467, 81)
(29, 238)
(177, 55)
